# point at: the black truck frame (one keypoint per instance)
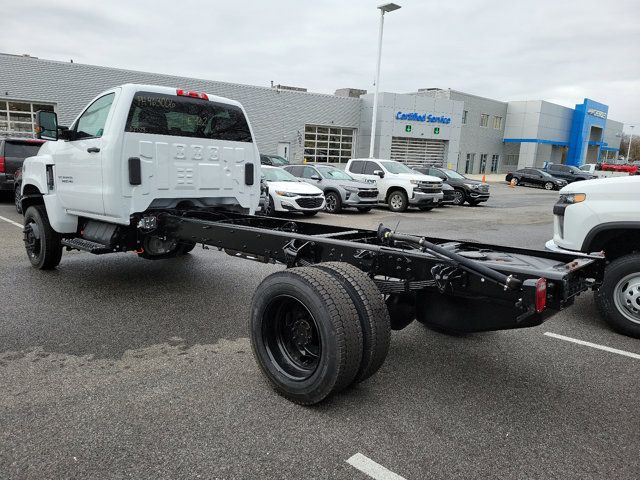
(324, 323)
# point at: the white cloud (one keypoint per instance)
(555, 50)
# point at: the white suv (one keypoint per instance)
(398, 185)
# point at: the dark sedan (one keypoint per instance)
(535, 177)
(464, 189)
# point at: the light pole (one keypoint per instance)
(387, 7)
(630, 140)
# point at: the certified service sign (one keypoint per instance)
(418, 117)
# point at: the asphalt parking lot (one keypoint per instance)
(117, 367)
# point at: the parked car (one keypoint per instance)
(603, 218)
(288, 194)
(398, 185)
(465, 190)
(535, 177)
(568, 172)
(340, 189)
(13, 151)
(273, 160)
(604, 170)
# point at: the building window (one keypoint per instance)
(464, 117)
(468, 166)
(497, 122)
(495, 160)
(484, 120)
(512, 159)
(17, 118)
(328, 144)
(483, 163)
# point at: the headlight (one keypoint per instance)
(351, 189)
(473, 185)
(415, 182)
(286, 194)
(571, 198)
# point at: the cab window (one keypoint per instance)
(356, 166)
(371, 167)
(91, 123)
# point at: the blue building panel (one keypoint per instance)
(585, 116)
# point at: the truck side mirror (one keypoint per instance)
(46, 125)
(380, 173)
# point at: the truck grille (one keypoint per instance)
(429, 187)
(367, 193)
(310, 202)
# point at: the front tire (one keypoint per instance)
(458, 197)
(41, 241)
(618, 298)
(548, 186)
(398, 201)
(333, 202)
(17, 198)
(305, 334)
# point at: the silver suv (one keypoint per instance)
(340, 189)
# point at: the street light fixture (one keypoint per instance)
(387, 7)
(630, 140)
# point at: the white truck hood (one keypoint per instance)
(628, 184)
(417, 176)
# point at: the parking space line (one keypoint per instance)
(593, 345)
(372, 469)
(12, 222)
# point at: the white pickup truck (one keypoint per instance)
(135, 148)
(592, 168)
(398, 185)
(602, 217)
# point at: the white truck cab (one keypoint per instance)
(398, 185)
(137, 147)
(602, 217)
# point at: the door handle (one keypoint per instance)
(93, 149)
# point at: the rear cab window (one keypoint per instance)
(163, 114)
(356, 166)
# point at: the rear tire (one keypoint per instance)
(372, 311)
(515, 181)
(398, 201)
(305, 334)
(618, 298)
(41, 241)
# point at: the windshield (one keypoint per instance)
(585, 168)
(278, 161)
(277, 175)
(397, 167)
(334, 173)
(454, 174)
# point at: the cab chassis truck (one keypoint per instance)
(179, 168)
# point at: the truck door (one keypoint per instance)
(78, 168)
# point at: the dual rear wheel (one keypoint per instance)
(317, 330)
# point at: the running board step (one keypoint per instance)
(86, 245)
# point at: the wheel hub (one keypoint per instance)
(32, 239)
(627, 297)
(301, 333)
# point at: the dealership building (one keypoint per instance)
(446, 127)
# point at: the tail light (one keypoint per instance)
(541, 294)
(2, 165)
(188, 93)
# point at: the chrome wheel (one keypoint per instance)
(626, 297)
(458, 197)
(397, 202)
